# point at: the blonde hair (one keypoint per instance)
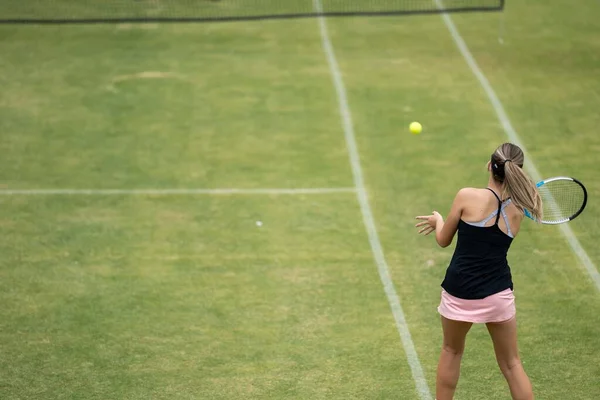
(507, 168)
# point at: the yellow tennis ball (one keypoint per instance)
(415, 128)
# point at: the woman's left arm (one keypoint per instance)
(444, 230)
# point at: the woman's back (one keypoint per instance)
(481, 205)
(487, 225)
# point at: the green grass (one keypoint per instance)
(184, 309)
(184, 297)
(215, 9)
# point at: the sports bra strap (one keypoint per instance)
(499, 205)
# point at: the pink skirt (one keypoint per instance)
(498, 307)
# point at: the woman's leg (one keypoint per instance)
(453, 347)
(504, 336)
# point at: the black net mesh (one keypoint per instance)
(562, 199)
(65, 11)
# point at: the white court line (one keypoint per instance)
(217, 191)
(514, 138)
(384, 273)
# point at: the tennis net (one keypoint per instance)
(89, 11)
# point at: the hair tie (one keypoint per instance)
(507, 160)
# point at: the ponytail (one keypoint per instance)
(507, 167)
(522, 190)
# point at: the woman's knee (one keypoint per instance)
(453, 349)
(509, 364)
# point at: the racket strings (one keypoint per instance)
(561, 199)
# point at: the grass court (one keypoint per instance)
(182, 296)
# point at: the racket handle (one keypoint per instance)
(528, 214)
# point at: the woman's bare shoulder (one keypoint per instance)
(469, 192)
(468, 196)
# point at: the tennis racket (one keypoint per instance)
(563, 199)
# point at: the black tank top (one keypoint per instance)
(479, 267)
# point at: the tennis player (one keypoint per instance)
(478, 286)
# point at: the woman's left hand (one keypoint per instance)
(429, 222)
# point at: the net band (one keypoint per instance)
(120, 11)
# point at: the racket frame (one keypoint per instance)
(562, 221)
